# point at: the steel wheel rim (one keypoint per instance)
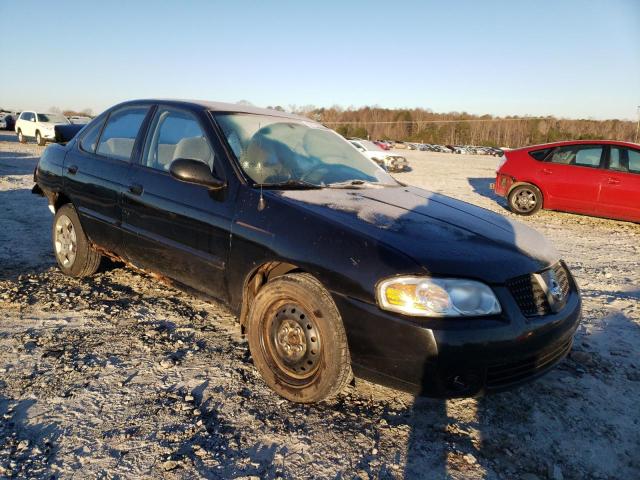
(65, 241)
(292, 342)
(525, 200)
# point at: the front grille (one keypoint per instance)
(562, 276)
(530, 295)
(501, 375)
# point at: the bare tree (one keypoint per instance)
(422, 125)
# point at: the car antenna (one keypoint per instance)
(261, 202)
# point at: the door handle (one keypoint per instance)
(613, 181)
(136, 189)
(547, 171)
(72, 169)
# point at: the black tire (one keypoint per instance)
(297, 339)
(39, 140)
(71, 247)
(525, 199)
(21, 138)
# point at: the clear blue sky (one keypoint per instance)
(568, 58)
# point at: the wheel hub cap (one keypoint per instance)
(295, 340)
(525, 200)
(65, 241)
(291, 340)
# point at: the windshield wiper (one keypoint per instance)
(354, 183)
(288, 184)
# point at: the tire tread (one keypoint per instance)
(87, 259)
(335, 384)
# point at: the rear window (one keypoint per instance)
(90, 139)
(540, 154)
(624, 160)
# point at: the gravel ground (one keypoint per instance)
(118, 376)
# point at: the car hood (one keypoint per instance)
(446, 237)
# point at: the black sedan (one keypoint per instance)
(333, 266)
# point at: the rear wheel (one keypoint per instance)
(73, 252)
(39, 140)
(21, 138)
(297, 339)
(525, 199)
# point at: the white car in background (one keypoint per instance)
(79, 119)
(391, 162)
(39, 126)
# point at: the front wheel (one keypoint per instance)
(71, 246)
(297, 339)
(39, 140)
(21, 138)
(525, 199)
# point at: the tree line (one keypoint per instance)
(87, 112)
(455, 128)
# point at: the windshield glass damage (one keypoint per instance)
(288, 152)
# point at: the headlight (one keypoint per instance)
(437, 297)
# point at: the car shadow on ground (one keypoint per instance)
(17, 163)
(506, 438)
(481, 186)
(27, 449)
(8, 136)
(25, 229)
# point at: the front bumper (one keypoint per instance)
(456, 357)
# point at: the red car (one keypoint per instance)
(593, 177)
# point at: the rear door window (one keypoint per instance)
(120, 133)
(581, 155)
(624, 160)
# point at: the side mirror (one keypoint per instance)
(195, 171)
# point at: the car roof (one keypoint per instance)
(215, 107)
(579, 142)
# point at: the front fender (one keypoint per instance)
(344, 260)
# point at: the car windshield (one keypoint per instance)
(52, 118)
(276, 150)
